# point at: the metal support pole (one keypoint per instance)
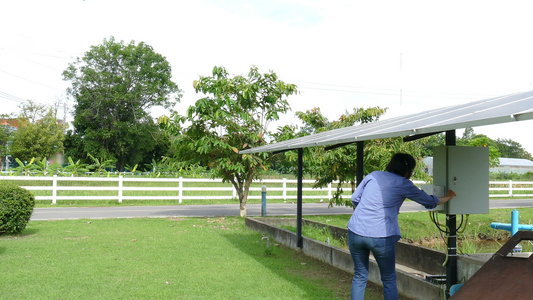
(451, 223)
(299, 200)
(264, 201)
(451, 266)
(360, 161)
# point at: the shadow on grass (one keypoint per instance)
(13, 236)
(25, 233)
(310, 274)
(317, 279)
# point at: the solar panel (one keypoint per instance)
(504, 109)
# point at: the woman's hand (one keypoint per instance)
(449, 195)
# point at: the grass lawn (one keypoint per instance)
(170, 258)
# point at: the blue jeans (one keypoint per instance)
(384, 252)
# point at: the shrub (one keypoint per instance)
(16, 207)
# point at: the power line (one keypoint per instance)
(24, 50)
(387, 91)
(11, 97)
(29, 80)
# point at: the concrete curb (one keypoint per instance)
(414, 263)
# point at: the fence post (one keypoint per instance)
(54, 189)
(180, 192)
(329, 191)
(285, 189)
(510, 188)
(264, 200)
(120, 186)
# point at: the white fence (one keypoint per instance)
(511, 188)
(126, 188)
(278, 188)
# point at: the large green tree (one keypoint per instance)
(114, 85)
(233, 115)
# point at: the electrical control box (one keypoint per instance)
(465, 170)
(437, 190)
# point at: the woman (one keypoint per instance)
(374, 223)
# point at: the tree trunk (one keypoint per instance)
(242, 207)
(243, 195)
(243, 188)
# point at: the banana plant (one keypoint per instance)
(43, 168)
(24, 169)
(99, 165)
(75, 168)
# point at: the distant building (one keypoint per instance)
(507, 165)
(514, 165)
(13, 123)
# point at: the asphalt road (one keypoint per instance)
(274, 209)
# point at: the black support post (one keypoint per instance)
(451, 223)
(359, 162)
(299, 200)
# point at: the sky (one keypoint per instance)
(407, 56)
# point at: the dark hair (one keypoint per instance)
(401, 164)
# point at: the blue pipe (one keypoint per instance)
(502, 226)
(514, 222)
(514, 226)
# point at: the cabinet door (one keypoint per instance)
(468, 176)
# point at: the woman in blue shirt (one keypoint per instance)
(374, 223)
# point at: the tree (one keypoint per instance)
(511, 149)
(430, 142)
(6, 136)
(33, 111)
(40, 139)
(497, 148)
(114, 85)
(339, 164)
(484, 141)
(234, 115)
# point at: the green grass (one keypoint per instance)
(186, 258)
(418, 228)
(319, 234)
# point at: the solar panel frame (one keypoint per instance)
(497, 110)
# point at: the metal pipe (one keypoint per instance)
(300, 241)
(451, 223)
(264, 201)
(360, 161)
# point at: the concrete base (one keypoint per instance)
(415, 265)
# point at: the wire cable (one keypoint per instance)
(11, 97)
(459, 230)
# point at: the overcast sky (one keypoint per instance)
(409, 56)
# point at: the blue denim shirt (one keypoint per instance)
(378, 199)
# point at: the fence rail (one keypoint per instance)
(125, 188)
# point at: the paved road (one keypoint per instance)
(274, 209)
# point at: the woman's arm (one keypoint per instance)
(447, 198)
